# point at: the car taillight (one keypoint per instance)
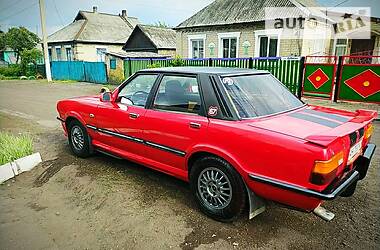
(368, 132)
(325, 171)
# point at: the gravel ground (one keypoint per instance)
(104, 203)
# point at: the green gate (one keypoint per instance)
(360, 79)
(319, 76)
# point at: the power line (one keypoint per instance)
(345, 1)
(20, 11)
(59, 15)
(14, 3)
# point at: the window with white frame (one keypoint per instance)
(58, 52)
(69, 56)
(196, 45)
(101, 54)
(267, 43)
(198, 48)
(341, 47)
(229, 47)
(268, 46)
(229, 44)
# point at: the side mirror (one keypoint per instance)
(106, 97)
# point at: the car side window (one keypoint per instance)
(136, 92)
(178, 93)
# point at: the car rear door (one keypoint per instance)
(120, 123)
(175, 121)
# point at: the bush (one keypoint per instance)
(29, 59)
(177, 62)
(2, 77)
(14, 147)
(153, 65)
(12, 70)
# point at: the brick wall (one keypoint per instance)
(288, 47)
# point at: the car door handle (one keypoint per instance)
(133, 115)
(195, 125)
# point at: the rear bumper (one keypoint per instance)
(344, 187)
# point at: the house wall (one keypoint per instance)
(87, 52)
(63, 47)
(81, 51)
(167, 52)
(287, 47)
(115, 76)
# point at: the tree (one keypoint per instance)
(30, 56)
(20, 39)
(2, 40)
(161, 24)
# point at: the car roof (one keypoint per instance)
(206, 70)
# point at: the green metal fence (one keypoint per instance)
(287, 70)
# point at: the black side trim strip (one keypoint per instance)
(168, 149)
(326, 115)
(122, 136)
(138, 140)
(91, 127)
(314, 119)
(320, 195)
(60, 119)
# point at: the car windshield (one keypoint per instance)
(259, 95)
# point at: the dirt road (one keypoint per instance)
(104, 203)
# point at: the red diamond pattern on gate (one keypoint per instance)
(318, 78)
(366, 83)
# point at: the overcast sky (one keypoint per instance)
(62, 12)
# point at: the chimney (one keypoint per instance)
(124, 13)
(94, 9)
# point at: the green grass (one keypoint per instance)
(14, 147)
(65, 81)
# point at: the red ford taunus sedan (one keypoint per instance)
(238, 136)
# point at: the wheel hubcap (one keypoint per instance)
(214, 188)
(77, 138)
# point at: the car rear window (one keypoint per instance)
(259, 95)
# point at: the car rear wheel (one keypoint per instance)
(79, 139)
(218, 189)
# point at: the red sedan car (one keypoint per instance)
(238, 136)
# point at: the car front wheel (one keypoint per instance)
(79, 139)
(218, 188)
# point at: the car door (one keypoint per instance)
(175, 121)
(120, 122)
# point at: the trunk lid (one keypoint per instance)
(315, 124)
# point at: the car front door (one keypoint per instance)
(174, 122)
(120, 122)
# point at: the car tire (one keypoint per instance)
(222, 200)
(79, 139)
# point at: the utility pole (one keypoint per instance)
(44, 40)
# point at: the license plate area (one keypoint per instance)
(355, 151)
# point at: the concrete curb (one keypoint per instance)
(11, 169)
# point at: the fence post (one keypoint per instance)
(337, 78)
(250, 63)
(210, 62)
(300, 77)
